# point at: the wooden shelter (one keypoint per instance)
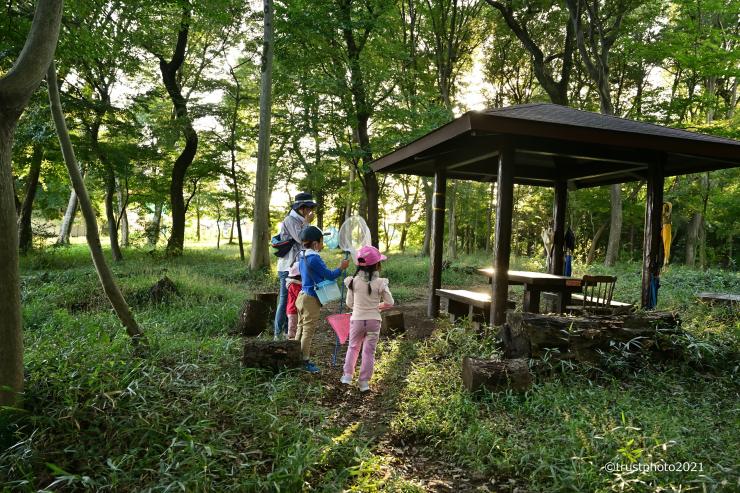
(555, 146)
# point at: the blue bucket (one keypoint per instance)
(327, 291)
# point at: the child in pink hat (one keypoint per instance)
(366, 293)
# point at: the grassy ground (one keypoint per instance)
(185, 416)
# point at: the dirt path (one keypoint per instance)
(375, 410)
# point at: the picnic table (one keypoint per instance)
(536, 282)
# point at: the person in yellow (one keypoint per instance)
(666, 232)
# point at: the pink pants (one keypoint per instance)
(365, 333)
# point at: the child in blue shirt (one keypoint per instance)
(313, 271)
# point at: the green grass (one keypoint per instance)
(98, 415)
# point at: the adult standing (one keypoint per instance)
(301, 214)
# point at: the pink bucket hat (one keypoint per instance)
(369, 255)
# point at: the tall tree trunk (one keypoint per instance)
(730, 254)
(595, 242)
(169, 72)
(110, 213)
(11, 348)
(17, 201)
(733, 99)
(231, 231)
(711, 86)
(197, 220)
(615, 231)
(93, 240)
(155, 225)
(452, 226)
(16, 87)
(426, 245)
(25, 231)
(362, 113)
(65, 229)
(218, 226)
(408, 211)
(702, 227)
(370, 179)
(235, 185)
(692, 234)
(320, 209)
(232, 152)
(348, 203)
(110, 181)
(489, 218)
(595, 58)
(237, 211)
(702, 239)
(261, 227)
(122, 214)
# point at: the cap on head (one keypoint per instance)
(311, 233)
(303, 199)
(369, 255)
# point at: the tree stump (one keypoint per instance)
(257, 313)
(532, 335)
(275, 355)
(254, 317)
(496, 375)
(392, 322)
(270, 298)
(162, 290)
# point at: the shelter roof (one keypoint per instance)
(553, 143)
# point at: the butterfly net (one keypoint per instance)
(353, 235)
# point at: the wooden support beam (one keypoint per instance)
(558, 248)
(502, 244)
(652, 245)
(437, 247)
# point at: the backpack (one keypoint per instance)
(280, 247)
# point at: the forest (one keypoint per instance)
(163, 102)
(168, 140)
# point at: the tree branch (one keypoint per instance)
(38, 52)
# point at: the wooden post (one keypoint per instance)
(438, 230)
(651, 246)
(558, 213)
(502, 243)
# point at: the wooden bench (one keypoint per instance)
(724, 298)
(612, 303)
(616, 307)
(464, 303)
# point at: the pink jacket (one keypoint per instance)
(366, 306)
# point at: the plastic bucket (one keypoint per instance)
(327, 291)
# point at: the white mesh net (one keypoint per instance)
(353, 235)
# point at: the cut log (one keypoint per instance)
(726, 298)
(392, 322)
(532, 335)
(275, 355)
(270, 298)
(496, 375)
(254, 317)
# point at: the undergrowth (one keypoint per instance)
(97, 415)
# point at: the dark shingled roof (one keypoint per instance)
(554, 143)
